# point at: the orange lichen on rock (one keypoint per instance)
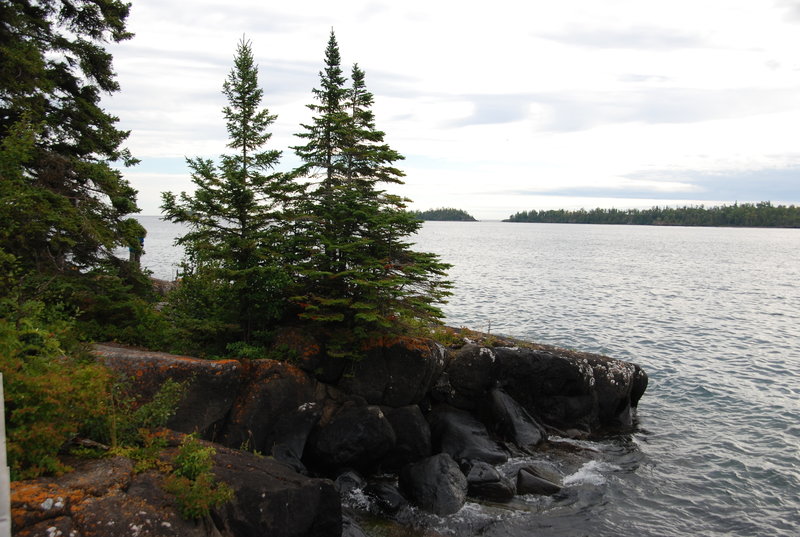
(33, 502)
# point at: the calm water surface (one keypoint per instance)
(713, 316)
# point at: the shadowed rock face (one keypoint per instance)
(398, 374)
(212, 384)
(435, 484)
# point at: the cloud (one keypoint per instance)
(581, 110)
(631, 37)
(792, 8)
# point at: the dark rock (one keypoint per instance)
(350, 528)
(348, 481)
(210, 393)
(412, 436)
(356, 437)
(276, 406)
(102, 499)
(514, 423)
(397, 373)
(556, 388)
(307, 351)
(61, 526)
(435, 484)
(471, 372)
(123, 515)
(529, 483)
(272, 500)
(386, 497)
(639, 385)
(484, 481)
(463, 437)
(545, 470)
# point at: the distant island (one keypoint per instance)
(443, 214)
(762, 214)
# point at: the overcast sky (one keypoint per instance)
(497, 106)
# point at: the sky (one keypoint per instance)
(499, 106)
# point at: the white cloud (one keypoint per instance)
(625, 98)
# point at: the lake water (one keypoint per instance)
(712, 315)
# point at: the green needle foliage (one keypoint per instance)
(360, 278)
(62, 204)
(235, 278)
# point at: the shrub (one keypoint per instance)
(192, 482)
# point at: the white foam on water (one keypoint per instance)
(590, 473)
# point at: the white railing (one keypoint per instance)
(5, 495)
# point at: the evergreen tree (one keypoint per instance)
(360, 276)
(62, 205)
(235, 277)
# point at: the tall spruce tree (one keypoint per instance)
(62, 205)
(360, 276)
(235, 278)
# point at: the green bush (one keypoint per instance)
(48, 394)
(192, 482)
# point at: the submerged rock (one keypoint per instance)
(530, 483)
(435, 484)
(484, 481)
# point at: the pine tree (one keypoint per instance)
(235, 276)
(361, 278)
(62, 204)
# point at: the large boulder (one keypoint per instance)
(514, 423)
(435, 484)
(357, 436)
(273, 500)
(412, 436)
(212, 385)
(554, 387)
(460, 435)
(276, 407)
(396, 373)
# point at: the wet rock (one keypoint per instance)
(463, 437)
(348, 481)
(396, 373)
(639, 385)
(412, 436)
(356, 437)
(275, 406)
(350, 528)
(210, 393)
(514, 423)
(484, 481)
(386, 496)
(528, 482)
(435, 484)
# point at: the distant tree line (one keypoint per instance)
(442, 213)
(762, 214)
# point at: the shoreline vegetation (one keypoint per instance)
(444, 215)
(761, 214)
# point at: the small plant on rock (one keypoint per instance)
(192, 482)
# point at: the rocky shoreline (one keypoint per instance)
(413, 422)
